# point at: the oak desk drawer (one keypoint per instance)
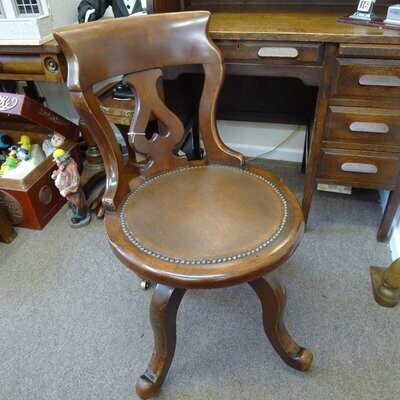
(361, 168)
(271, 52)
(389, 51)
(360, 78)
(363, 125)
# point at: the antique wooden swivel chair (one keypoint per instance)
(182, 224)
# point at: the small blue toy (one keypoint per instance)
(23, 154)
(5, 141)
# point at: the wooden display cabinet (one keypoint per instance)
(32, 201)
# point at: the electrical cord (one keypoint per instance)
(277, 146)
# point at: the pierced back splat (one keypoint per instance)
(161, 149)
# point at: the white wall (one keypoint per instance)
(254, 139)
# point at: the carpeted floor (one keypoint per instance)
(74, 322)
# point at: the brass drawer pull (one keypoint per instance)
(359, 167)
(379, 80)
(370, 127)
(289, 52)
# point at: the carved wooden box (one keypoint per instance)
(31, 201)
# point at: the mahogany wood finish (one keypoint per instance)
(272, 296)
(163, 309)
(184, 224)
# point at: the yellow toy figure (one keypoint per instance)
(25, 142)
(66, 179)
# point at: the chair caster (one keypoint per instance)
(144, 285)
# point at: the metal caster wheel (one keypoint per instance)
(144, 285)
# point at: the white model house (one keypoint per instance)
(32, 21)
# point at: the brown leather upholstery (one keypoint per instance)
(182, 224)
(207, 214)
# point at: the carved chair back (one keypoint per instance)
(139, 49)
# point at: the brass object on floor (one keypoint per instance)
(144, 285)
(386, 284)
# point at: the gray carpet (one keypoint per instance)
(74, 323)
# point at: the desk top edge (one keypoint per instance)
(319, 25)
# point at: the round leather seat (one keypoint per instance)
(208, 225)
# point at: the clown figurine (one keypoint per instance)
(66, 179)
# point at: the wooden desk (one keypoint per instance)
(356, 126)
(355, 129)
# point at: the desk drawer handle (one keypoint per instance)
(359, 167)
(379, 80)
(370, 127)
(289, 52)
